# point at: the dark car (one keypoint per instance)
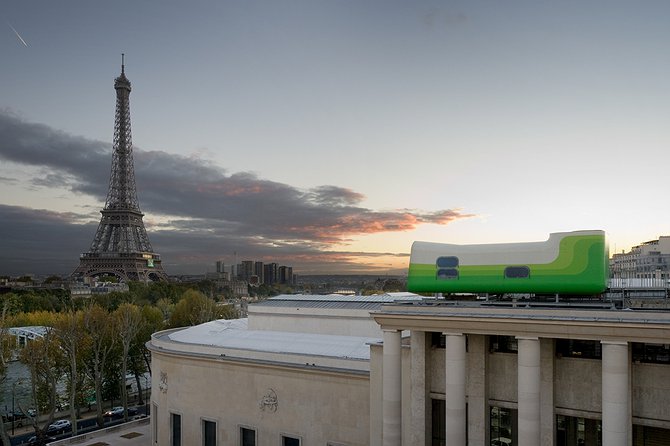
(33, 441)
(17, 417)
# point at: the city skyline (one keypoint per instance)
(330, 135)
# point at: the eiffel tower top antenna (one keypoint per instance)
(123, 65)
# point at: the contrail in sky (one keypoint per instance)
(18, 35)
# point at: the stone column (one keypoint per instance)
(418, 378)
(616, 393)
(455, 389)
(547, 415)
(528, 388)
(477, 391)
(391, 389)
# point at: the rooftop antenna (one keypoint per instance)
(122, 63)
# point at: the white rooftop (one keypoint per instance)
(234, 334)
(31, 332)
(383, 298)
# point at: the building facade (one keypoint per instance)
(296, 372)
(478, 375)
(400, 370)
(649, 260)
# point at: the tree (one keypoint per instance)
(101, 330)
(6, 344)
(46, 363)
(129, 322)
(194, 308)
(112, 301)
(166, 307)
(73, 340)
(153, 321)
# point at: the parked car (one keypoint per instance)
(59, 427)
(117, 412)
(17, 417)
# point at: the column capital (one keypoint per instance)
(390, 330)
(527, 338)
(451, 333)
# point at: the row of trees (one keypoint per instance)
(92, 345)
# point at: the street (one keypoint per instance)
(86, 424)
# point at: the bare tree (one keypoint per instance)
(129, 322)
(70, 331)
(45, 361)
(5, 353)
(100, 328)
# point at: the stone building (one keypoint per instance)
(398, 370)
(295, 372)
(473, 374)
(649, 260)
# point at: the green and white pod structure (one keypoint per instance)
(574, 262)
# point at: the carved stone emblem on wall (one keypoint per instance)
(163, 386)
(269, 401)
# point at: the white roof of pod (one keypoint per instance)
(496, 253)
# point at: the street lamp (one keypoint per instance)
(13, 391)
(13, 399)
(146, 395)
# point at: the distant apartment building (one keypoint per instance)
(258, 272)
(649, 260)
(270, 273)
(86, 290)
(247, 269)
(286, 274)
(254, 273)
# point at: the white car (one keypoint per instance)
(117, 412)
(59, 427)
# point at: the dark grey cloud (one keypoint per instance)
(212, 212)
(41, 241)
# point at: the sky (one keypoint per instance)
(330, 135)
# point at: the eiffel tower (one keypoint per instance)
(121, 247)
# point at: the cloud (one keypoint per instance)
(200, 207)
(7, 180)
(37, 240)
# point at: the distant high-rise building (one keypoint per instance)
(247, 269)
(121, 246)
(270, 273)
(220, 266)
(286, 274)
(259, 272)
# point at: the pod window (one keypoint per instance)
(517, 272)
(447, 262)
(447, 273)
